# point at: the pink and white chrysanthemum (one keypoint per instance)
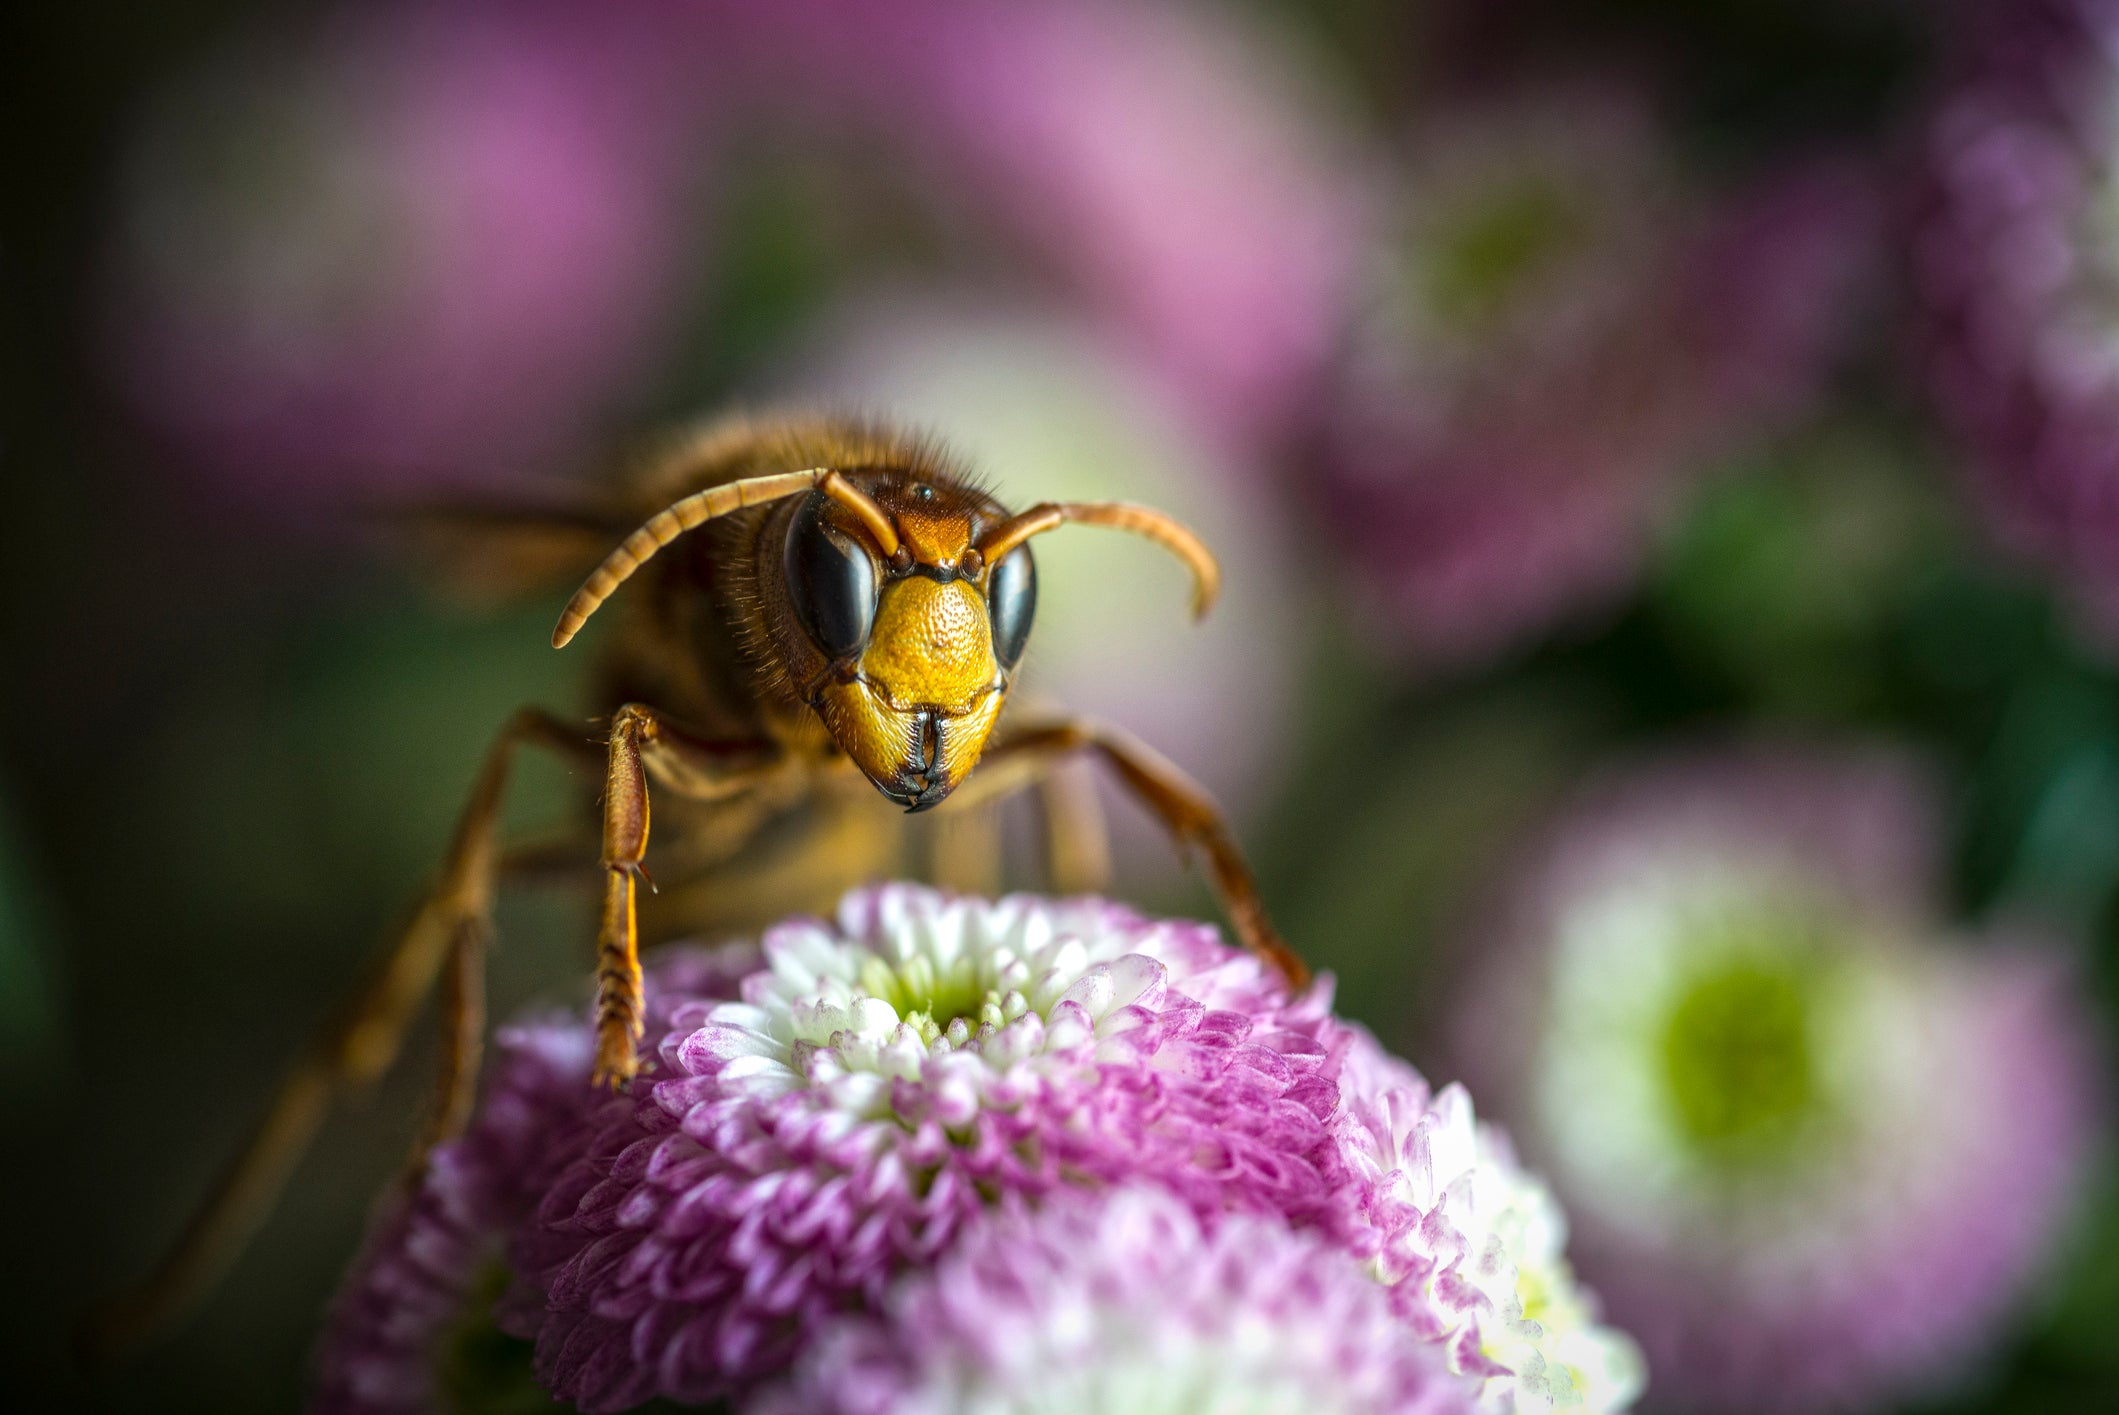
(1126, 1304)
(1473, 1248)
(929, 1093)
(1813, 1149)
(885, 1079)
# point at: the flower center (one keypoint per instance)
(1483, 253)
(1738, 1057)
(930, 999)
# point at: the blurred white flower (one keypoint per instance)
(1813, 1151)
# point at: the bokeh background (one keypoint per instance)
(1686, 423)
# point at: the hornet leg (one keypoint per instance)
(644, 743)
(1181, 804)
(451, 927)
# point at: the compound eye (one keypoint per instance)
(1011, 603)
(831, 579)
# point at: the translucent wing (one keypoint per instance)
(494, 551)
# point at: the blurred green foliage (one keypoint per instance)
(32, 1031)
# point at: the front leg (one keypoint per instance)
(644, 743)
(448, 931)
(1181, 804)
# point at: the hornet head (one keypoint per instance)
(896, 599)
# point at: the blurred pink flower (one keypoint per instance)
(426, 242)
(1561, 333)
(1814, 1151)
(410, 242)
(2016, 261)
(1166, 166)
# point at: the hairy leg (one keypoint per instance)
(1181, 804)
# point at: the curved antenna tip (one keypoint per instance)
(1167, 532)
(1206, 586)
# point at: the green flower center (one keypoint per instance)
(930, 999)
(1738, 1056)
(1482, 254)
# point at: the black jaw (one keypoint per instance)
(923, 786)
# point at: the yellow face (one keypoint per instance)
(917, 715)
